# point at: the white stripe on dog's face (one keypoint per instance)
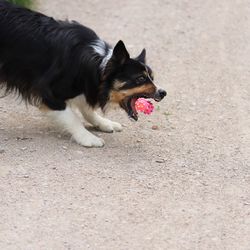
(148, 75)
(118, 85)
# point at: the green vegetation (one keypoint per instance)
(167, 114)
(26, 3)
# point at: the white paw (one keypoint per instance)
(109, 126)
(89, 140)
(117, 126)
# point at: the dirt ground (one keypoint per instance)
(185, 185)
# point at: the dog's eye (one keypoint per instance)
(141, 79)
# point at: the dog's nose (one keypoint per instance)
(160, 94)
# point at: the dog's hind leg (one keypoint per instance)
(94, 118)
(70, 122)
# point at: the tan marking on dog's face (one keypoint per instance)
(118, 85)
(117, 96)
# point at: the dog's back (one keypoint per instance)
(39, 55)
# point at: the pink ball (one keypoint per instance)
(143, 105)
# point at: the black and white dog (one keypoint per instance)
(59, 65)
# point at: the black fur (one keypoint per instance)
(46, 60)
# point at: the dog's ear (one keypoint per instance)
(142, 57)
(120, 54)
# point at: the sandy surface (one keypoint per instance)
(183, 186)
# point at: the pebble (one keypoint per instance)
(209, 137)
(2, 151)
(160, 161)
(155, 127)
(23, 138)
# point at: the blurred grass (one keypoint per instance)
(25, 3)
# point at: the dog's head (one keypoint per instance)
(130, 79)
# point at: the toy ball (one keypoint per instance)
(144, 106)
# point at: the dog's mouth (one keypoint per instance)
(128, 104)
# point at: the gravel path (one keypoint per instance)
(185, 185)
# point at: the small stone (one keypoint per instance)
(26, 176)
(155, 127)
(209, 137)
(2, 151)
(64, 147)
(24, 148)
(160, 161)
(23, 138)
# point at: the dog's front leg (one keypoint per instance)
(70, 122)
(94, 118)
(100, 122)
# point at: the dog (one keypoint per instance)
(58, 66)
